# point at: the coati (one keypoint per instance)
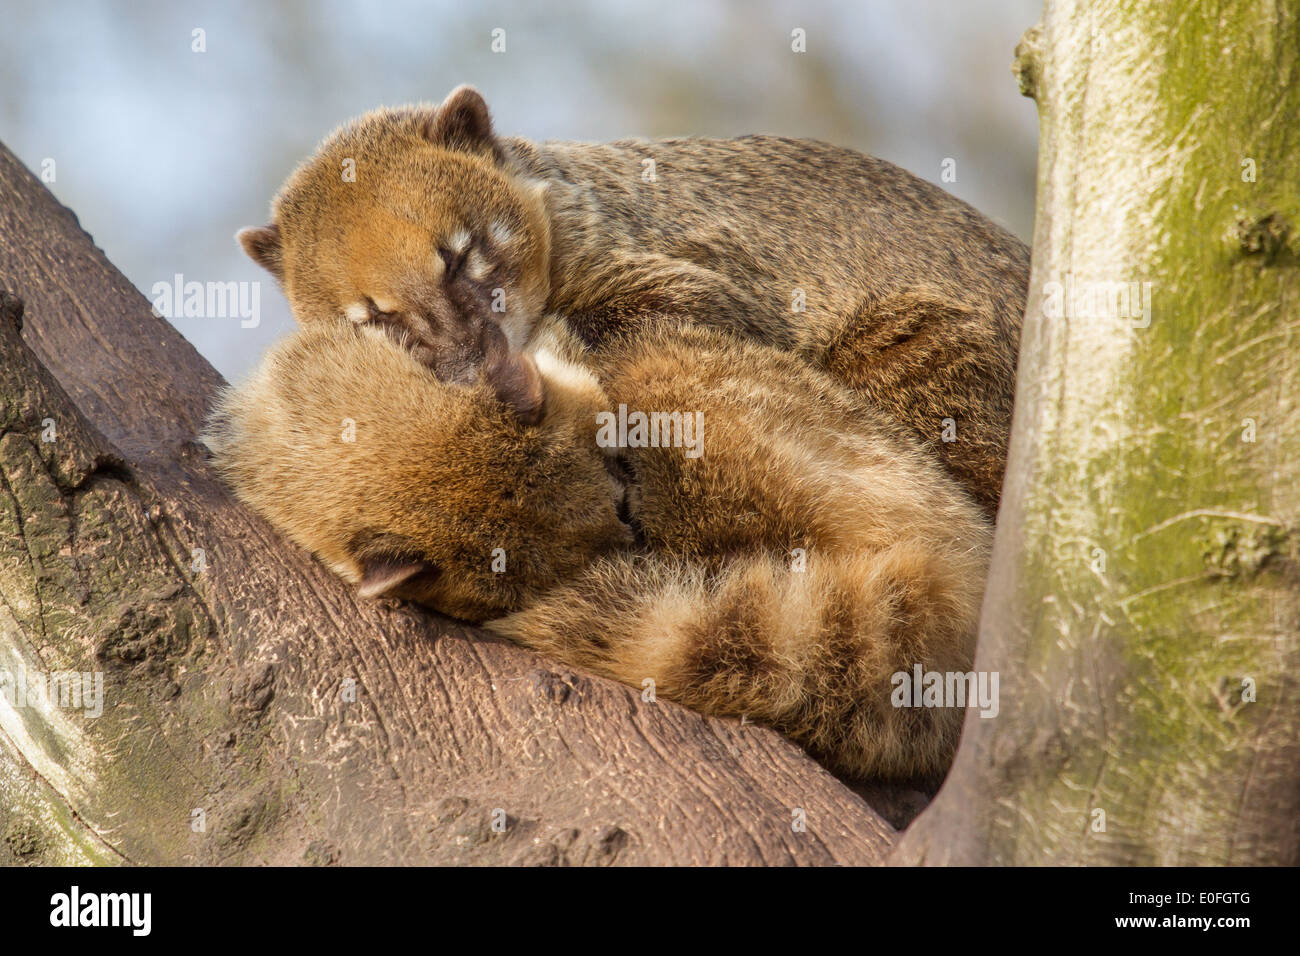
(782, 561)
(423, 217)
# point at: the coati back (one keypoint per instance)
(780, 562)
(423, 218)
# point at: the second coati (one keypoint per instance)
(779, 551)
(424, 218)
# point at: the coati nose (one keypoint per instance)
(453, 261)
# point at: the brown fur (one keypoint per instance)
(437, 476)
(909, 294)
(654, 566)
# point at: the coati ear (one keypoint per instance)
(463, 122)
(384, 575)
(513, 376)
(262, 243)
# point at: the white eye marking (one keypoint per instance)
(476, 267)
(501, 234)
(459, 241)
(358, 312)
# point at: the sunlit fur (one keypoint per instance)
(888, 282)
(811, 552)
(381, 236)
(442, 471)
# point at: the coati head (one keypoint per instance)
(408, 217)
(417, 488)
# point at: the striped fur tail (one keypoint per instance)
(811, 652)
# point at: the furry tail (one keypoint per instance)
(810, 652)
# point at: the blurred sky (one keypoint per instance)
(164, 153)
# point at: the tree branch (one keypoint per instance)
(226, 673)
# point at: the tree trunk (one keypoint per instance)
(1143, 609)
(232, 731)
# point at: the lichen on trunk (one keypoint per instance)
(1144, 604)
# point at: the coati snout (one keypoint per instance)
(477, 351)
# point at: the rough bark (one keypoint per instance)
(1144, 576)
(224, 677)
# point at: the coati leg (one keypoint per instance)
(809, 652)
(944, 371)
